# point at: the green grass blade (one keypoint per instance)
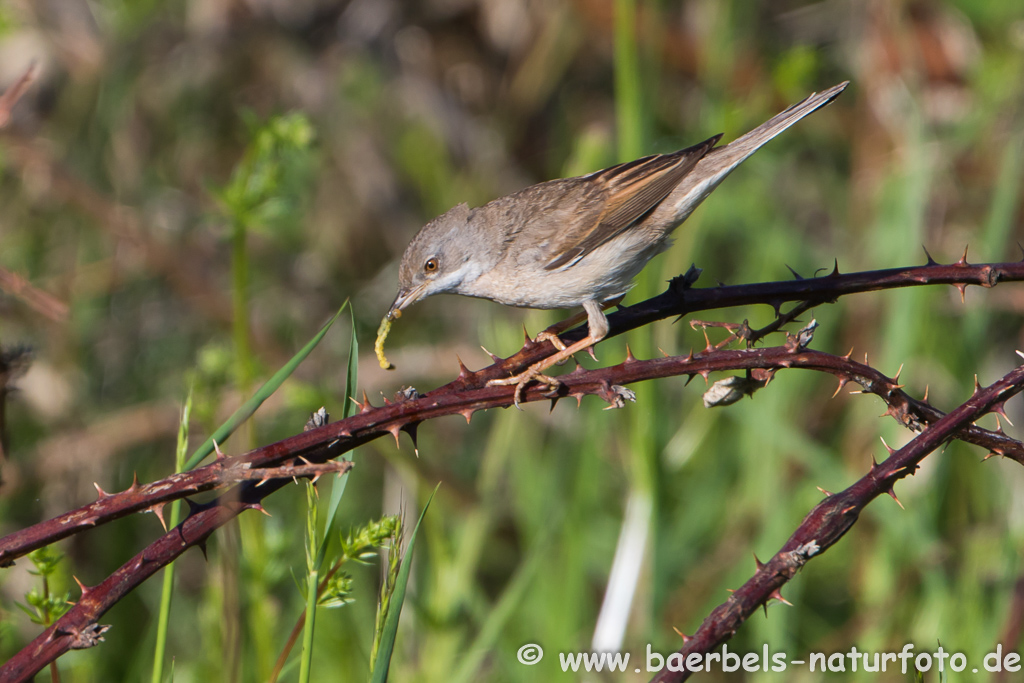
(264, 392)
(338, 483)
(352, 371)
(164, 617)
(387, 642)
(337, 491)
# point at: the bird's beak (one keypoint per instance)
(405, 297)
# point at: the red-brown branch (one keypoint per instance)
(830, 520)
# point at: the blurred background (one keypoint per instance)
(189, 189)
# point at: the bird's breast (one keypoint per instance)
(519, 279)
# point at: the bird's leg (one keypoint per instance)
(597, 328)
(552, 333)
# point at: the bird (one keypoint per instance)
(573, 242)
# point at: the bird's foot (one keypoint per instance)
(534, 372)
(550, 336)
(556, 341)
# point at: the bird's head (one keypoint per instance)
(439, 259)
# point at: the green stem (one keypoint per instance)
(312, 584)
(628, 104)
(165, 605)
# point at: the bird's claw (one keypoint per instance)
(524, 378)
(552, 337)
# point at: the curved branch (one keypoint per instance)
(830, 520)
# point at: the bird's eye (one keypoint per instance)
(431, 265)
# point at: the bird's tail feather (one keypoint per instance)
(720, 162)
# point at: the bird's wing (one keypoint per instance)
(622, 195)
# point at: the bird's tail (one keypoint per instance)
(719, 162)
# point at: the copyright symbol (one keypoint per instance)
(530, 654)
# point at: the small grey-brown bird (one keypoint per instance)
(575, 241)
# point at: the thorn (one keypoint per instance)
(1019, 353)
(217, 452)
(579, 398)
(827, 493)
(411, 429)
(467, 413)
(258, 507)
(842, 383)
(893, 412)
(925, 398)
(493, 356)
(663, 352)
(849, 354)
(366, 406)
(81, 586)
(835, 269)
(990, 454)
(896, 379)
(554, 400)
(931, 261)
(874, 463)
(202, 547)
(590, 350)
(977, 387)
(629, 355)
(158, 510)
(463, 370)
(796, 275)
(394, 430)
(963, 291)
(866, 358)
(385, 399)
(758, 563)
(892, 493)
(887, 447)
(775, 594)
(102, 494)
(963, 259)
(682, 635)
(193, 507)
(528, 341)
(999, 409)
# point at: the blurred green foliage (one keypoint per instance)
(141, 108)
